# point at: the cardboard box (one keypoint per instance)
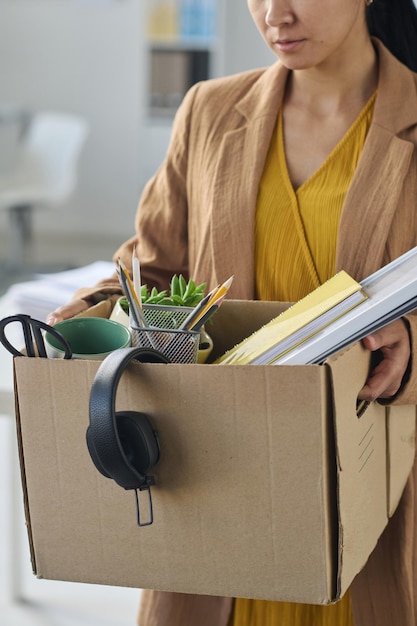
(269, 485)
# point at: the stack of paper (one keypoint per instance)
(49, 291)
(392, 293)
(332, 317)
(295, 325)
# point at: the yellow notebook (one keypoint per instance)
(327, 303)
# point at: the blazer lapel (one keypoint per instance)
(372, 198)
(380, 177)
(241, 161)
(371, 203)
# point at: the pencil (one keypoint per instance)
(129, 290)
(214, 298)
(195, 313)
(203, 319)
(136, 276)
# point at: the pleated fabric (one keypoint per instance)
(295, 250)
(264, 613)
(296, 230)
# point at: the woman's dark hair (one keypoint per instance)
(394, 22)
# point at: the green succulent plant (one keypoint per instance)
(180, 293)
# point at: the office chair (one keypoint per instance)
(45, 175)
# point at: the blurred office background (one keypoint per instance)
(122, 67)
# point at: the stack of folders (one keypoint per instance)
(299, 322)
(334, 316)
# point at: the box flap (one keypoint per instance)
(237, 319)
(401, 437)
(361, 464)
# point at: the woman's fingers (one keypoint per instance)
(66, 311)
(393, 343)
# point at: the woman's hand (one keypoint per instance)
(393, 342)
(66, 311)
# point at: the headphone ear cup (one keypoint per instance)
(139, 446)
(93, 453)
(123, 446)
(138, 440)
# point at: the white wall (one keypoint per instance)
(243, 46)
(82, 56)
(88, 57)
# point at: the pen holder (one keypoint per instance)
(165, 316)
(156, 315)
(179, 346)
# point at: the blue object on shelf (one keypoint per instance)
(198, 18)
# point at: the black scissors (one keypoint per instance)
(32, 333)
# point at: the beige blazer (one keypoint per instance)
(196, 217)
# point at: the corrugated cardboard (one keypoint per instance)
(269, 485)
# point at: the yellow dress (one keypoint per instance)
(295, 249)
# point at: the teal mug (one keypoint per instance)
(89, 337)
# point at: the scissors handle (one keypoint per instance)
(3, 339)
(31, 332)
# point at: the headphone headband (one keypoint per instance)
(103, 438)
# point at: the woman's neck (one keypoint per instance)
(320, 105)
(336, 87)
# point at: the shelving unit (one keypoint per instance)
(173, 69)
(181, 40)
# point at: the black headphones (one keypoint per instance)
(123, 445)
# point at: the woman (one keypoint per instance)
(283, 176)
